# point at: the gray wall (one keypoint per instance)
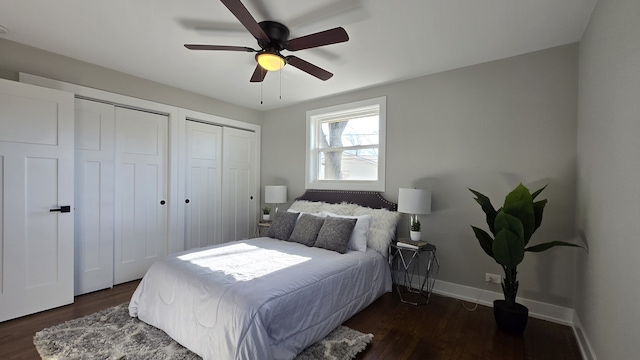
(608, 172)
(487, 127)
(20, 58)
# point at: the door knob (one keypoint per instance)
(186, 201)
(162, 202)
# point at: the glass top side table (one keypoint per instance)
(415, 271)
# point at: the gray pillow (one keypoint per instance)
(335, 234)
(306, 229)
(282, 225)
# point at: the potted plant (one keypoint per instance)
(511, 228)
(266, 213)
(415, 229)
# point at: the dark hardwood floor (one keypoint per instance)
(442, 329)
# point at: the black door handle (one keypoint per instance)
(186, 201)
(62, 209)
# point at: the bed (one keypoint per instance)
(268, 297)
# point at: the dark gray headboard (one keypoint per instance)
(370, 199)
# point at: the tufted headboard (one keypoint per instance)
(370, 199)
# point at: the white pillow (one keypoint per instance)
(304, 212)
(305, 206)
(360, 234)
(343, 208)
(382, 229)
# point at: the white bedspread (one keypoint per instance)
(259, 298)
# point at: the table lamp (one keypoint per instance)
(415, 202)
(275, 194)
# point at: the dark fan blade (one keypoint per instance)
(245, 18)
(219, 47)
(327, 37)
(258, 74)
(309, 68)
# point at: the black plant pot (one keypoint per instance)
(510, 320)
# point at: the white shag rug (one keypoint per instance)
(113, 334)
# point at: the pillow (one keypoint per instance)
(282, 225)
(344, 208)
(382, 229)
(335, 234)
(305, 206)
(360, 234)
(306, 229)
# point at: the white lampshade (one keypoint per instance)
(275, 194)
(414, 201)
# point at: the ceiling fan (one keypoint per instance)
(273, 37)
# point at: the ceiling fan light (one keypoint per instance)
(270, 61)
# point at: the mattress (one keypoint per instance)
(259, 298)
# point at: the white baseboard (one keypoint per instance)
(540, 310)
(537, 309)
(583, 340)
(557, 314)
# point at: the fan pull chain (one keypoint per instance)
(261, 82)
(280, 84)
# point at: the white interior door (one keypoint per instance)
(203, 225)
(239, 184)
(36, 175)
(94, 194)
(141, 192)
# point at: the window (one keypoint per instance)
(345, 146)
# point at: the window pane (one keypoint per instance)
(349, 132)
(361, 164)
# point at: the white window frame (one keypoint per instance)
(311, 165)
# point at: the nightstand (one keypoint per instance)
(415, 272)
(262, 227)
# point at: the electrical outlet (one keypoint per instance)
(493, 278)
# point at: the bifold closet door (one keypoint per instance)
(141, 192)
(94, 195)
(203, 202)
(36, 199)
(239, 184)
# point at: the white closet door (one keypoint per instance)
(239, 184)
(36, 175)
(203, 225)
(141, 192)
(94, 194)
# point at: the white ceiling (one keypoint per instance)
(390, 40)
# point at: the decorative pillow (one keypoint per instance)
(360, 234)
(335, 234)
(305, 206)
(306, 229)
(344, 208)
(282, 225)
(382, 229)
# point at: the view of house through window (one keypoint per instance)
(348, 149)
(345, 145)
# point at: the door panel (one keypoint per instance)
(141, 192)
(40, 196)
(36, 175)
(28, 120)
(94, 191)
(204, 185)
(239, 184)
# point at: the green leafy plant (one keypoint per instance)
(415, 225)
(266, 210)
(512, 227)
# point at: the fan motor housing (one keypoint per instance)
(277, 32)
